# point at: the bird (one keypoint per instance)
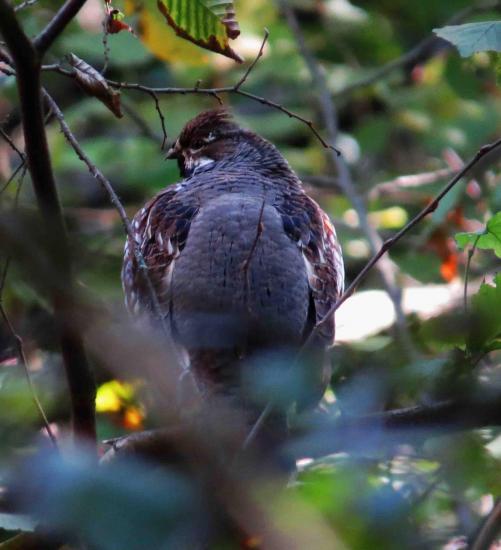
(243, 262)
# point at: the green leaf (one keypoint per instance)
(485, 321)
(207, 23)
(473, 37)
(489, 239)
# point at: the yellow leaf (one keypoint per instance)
(161, 40)
(133, 418)
(163, 43)
(112, 396)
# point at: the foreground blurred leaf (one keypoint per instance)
(112, 395)
(473, 37)
(476, 332)
(489, 239)
(131, 505)
(485, 324)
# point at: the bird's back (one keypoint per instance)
(240, 283)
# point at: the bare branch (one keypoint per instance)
(24, 4)
(25, 56)
(24, 363)
(12, 144)
(161, 117)
(410, 181)
(399, 425)
(254, 62)
(57, 25)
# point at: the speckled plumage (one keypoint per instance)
(242, 260)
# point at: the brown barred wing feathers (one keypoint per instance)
(160, 231)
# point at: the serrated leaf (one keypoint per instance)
(160, 39)
(473, 37)
(207, 23)
(95, 85)
(489, 239)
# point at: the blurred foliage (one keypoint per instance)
(429, 114)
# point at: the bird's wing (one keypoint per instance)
(308, 226)
(160, 230)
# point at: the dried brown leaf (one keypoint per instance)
(94, 84)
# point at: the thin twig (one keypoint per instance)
(8, 139)
(257, 425)
(24, 363)
(24, 4)
(162, 118)
(106, 47)
(247, 261)
(410, 181)
(214, 92)
(254, 62)
(12, 176)
(388, 244)
(115, 201)
(471, 251)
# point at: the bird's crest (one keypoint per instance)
(206, 122)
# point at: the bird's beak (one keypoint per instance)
(173, 152)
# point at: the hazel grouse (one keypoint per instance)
(243, 262)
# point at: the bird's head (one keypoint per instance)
(209, 137)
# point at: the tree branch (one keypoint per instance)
(57, 25)
(399, 426)
(411, 181)
(78, 372)
(352, 433)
